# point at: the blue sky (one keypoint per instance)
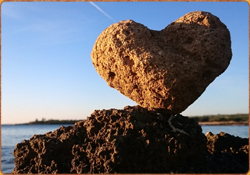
(46, 65)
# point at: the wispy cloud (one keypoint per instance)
(103, 12)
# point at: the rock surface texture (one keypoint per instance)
(167, 69)
(132, 140)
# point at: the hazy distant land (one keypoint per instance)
(220, 119)
(223, 119)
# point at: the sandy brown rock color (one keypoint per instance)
(167, 69)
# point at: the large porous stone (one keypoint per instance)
(131, 140)
(167, 69)
(115, 141)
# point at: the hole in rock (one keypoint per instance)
(111, 75)
(128, 61)
(126, 32)
(133, 73)
(200, 19)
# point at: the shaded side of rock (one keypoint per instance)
(126, 141)
(48, 153)
(234, 151)
(131, 140)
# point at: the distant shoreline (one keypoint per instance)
(217, 123)
(48, 122)
(229, 123)
(209, 123)
(200, 123)
(226, 119)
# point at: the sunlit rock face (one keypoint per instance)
(167, 69)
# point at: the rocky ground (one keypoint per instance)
(132, 140)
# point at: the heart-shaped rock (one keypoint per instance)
(167, 69)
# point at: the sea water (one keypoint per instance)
(13, 134)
